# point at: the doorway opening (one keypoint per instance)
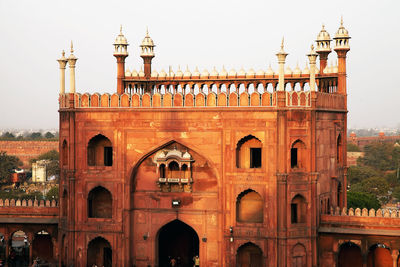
(249, 255)
(179, 243)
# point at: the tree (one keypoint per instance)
(352, 148)
(7, 164)
(376, 186)
(356, 174)
(49, 135)
(52, 193)
(362, 200)
(7, 136)
(36, 135)
(49, 155)
(381, 156)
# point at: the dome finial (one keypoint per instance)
(282, 44)
(147, 31)
(120, 29)
(341, 20)
(63, 53)
(72, 47)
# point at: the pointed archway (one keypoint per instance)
(178, 241)
(249, 255)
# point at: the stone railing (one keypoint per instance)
(330, 101)
(27, 203)
(383, 213)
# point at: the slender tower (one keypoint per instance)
(147, 53)
(281, 61)
(72, 61)
(313, 59)
(341, 48)
(120, 52)
(323, 48)
(63, 63)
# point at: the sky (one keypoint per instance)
(204, 33)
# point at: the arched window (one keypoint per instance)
(99, 151)
(173, 170)
(339, 150)
(299, 256)
(298, 208)
(249, 254)
(297, 154)
(64, 153)
(64, 203)
(99, 203)
(248, 152)
(185, 172)
(162, 171)
(249, 207)
(99, 253)
(339, 195)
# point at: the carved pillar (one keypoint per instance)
(55, 248)
(30, 242)
(395, 255)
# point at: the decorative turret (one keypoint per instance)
(63, 63)
(147, 53)
(120, 52)
(281, 61)
(323, 47)
(341, 48)
(313, 59)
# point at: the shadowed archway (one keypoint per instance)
(178, 241)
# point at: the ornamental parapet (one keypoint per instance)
(27, 203)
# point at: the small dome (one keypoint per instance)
(342, 32)
(260, 73)
(223, 73)
(134, 73)
(250, 73)
(120, 40)
(186, 155)
(147, 46)
(242, 72)
(154, 74)
(306, 69)
(323, 35)
(214, 72)
(141, 72)
(147, 41)
(171, 73)
(288, 71)
(196, 73)
(162, 74)
(269, 71)
(232, 73)
(128, 73)
(205, 74)
(179, 73)
(297, 70)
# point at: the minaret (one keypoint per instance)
(323, 48)
(281, 61)
(341, 48)
(147, 53)
(63, 63)
(120, 52)
(71, 61)
(313, 59)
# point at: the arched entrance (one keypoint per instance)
(19, 251)
(99, 253)
(379, 256)
(350, 255)
(42, 247)
(177, 240)
(249, 255)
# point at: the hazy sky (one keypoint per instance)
(203, 33)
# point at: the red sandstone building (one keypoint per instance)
(234, 167)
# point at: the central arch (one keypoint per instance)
(179, 241)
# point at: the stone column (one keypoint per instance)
(281, 61)
(395, 255)
(71, 61)
(313, 59)
(63, 62)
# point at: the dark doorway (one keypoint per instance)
(350, 255)
(249, 255)
(42, 247)
(177, 240)
(99, 253)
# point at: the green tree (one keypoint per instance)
(381, 156)
(352, 148)
(52, 193)
(7, 164)
(49, 135)
(356, 174)
(36, 135)
(7, 136)
(362, 200)
(377, 186)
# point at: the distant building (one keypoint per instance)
(39, 171)
(366, 140)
